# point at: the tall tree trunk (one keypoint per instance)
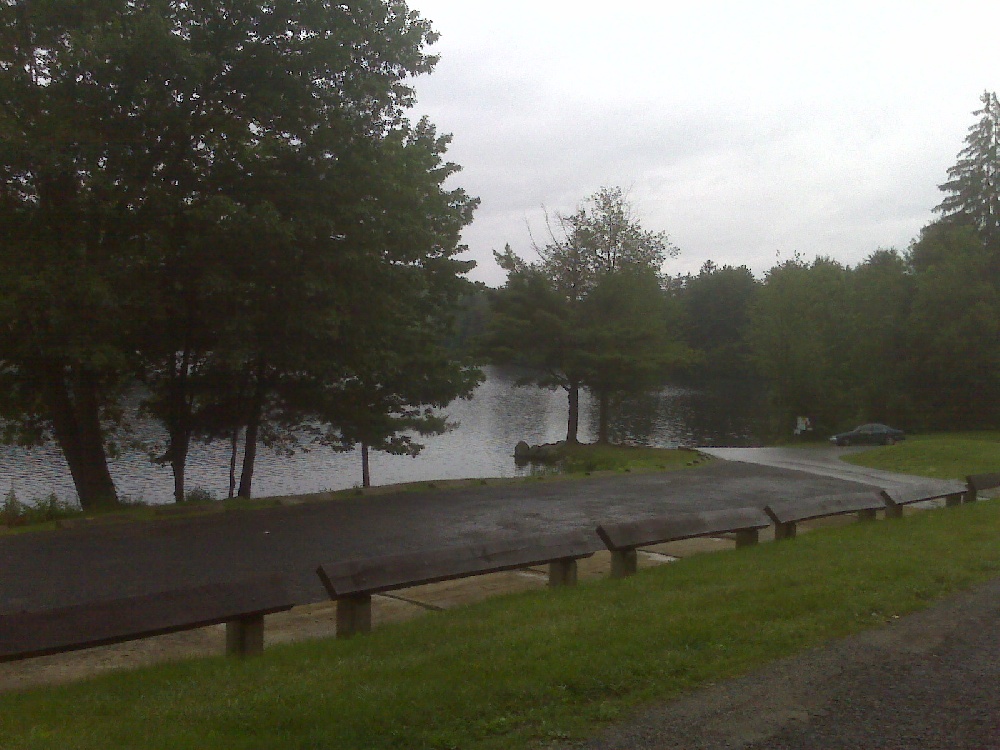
(573, 419)
(603, 410)
(366, 478)
(76, 424)
(234, 444)
(252, 433)
(180, 421)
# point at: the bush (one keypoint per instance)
(49, 508)
(199, 495)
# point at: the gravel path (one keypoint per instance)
(929, 681)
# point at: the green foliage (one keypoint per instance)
(622, 458)
(973, 184)
(13, 512)
(199, 495)
(953, 329)
(522, 671)
(878, 304)
(209, 197)
(716, 307)
(592, 312)
(799, 331)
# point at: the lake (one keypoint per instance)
(481, 444)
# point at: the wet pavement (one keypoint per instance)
(72, 566)
(819, 460)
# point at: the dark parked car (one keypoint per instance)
(870, 434)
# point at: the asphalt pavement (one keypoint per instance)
(71, 566)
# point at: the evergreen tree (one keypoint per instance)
(973, 186)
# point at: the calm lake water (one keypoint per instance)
(481, 444)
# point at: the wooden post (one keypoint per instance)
(952, 500)
(867, 514)
(784, 531)
(354, 615)
(562, 572)
(893, 511)
(624, 563)
(245, 636)
(747, 537)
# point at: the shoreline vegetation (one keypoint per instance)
(528, 670)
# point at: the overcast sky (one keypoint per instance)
(749, 131)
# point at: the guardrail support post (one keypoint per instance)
(624, 562)
(354, 615)
(784, 531)
(893, 511)
(747, 537)
(867, 515)
(562, 572)
(245, 636)
(952, 500)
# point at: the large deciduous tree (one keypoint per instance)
(716, 307)
(800, 332)
(77, 151)
(207, 193)
(590, 312)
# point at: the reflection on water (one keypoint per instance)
(481, 445)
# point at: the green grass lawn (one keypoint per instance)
(944, 456)
(526, 670)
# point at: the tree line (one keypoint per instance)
(216, 214)
(907, 337)
(221, 207)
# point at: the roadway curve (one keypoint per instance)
(822, 461)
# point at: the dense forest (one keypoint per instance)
(910, 337)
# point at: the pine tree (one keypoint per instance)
(973, 186)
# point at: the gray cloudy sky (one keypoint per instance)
(749, 131)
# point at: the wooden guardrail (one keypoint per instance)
(786, 515)
(979, 482)
(351, 583)
(241, 605)
(624, 538)
(952, 491)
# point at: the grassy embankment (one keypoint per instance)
(943, 456)
(529, 669)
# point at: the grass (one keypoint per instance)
(527, 670)
(584, 459)
(45, 510)
(942, 456)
